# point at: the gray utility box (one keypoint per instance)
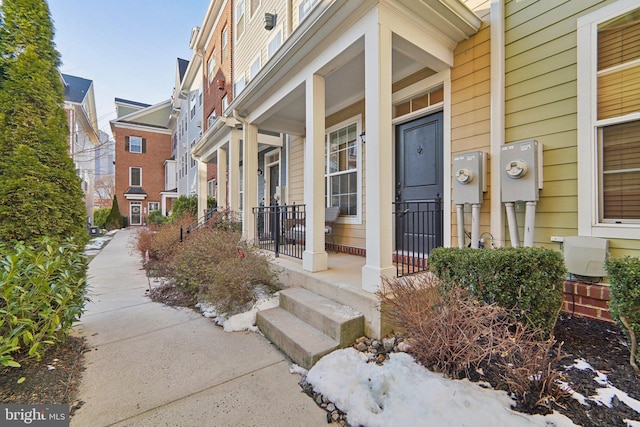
(521, 168)
(469, 177)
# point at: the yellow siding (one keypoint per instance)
(471, 105)
(296, 171)
(541, 103)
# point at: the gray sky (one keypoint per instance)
(127, 47)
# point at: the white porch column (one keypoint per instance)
(379, 155)
(221, 178)
(163, 205)
(234, 173)
(315, 257)
(250, 168)
(202, 189)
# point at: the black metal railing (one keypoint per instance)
(418, 226)
(280, 229)
(185, 230)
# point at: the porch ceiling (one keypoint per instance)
(344, 86)
(345, 73)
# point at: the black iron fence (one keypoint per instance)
(200, 222)
(280, 229)
(418, 231)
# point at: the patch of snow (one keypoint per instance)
(296, 369)
(607, 392)
(632, 423)
(577, 396)
(402, 392)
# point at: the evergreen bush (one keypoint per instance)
(526, 281)
(40, 193)
(624, 275)
(114, 219)
(43, 292)
(100, 217)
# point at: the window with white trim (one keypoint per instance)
(225, 43)
(211, 66)
(305, 7)
(135, 177)
(239, 19)
(135, 144)
(154, 206)
(342, 170)
(274, 44)
(255, 68)
(609, 121)
(239, 85)
(225, 103)
(211, 119)
(255, 5)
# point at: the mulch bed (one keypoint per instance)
(52, 380)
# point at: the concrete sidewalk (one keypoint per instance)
(153, 365)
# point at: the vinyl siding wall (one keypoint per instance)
(541, 103)
(471, 108)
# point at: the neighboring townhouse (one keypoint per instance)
(105, 171)
(390, 110)
(181, 125)
(80, 106)
(143, 145)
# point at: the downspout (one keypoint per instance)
(497, 20)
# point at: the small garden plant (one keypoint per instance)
(624, 275)
(42, 293)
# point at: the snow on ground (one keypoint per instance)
(240, 322)
(97, 243)
(605, 394)
(402, 392)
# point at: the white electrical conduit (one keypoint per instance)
(460, 212)
(475, 226)
(513, 225)
(529, 224)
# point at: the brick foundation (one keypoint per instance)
(587, 300)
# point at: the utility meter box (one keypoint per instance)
(469, 177)
(521, 164)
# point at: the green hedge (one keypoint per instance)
(624, 275)
(42, 293)
(526, 281)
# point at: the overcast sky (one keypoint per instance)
(127, 47)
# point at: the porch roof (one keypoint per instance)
(262, 102)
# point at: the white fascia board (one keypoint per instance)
(211, 18)
(133, 126)
(194, 70)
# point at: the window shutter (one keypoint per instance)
(144, 145)
(126, 143)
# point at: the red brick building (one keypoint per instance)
(142, 145)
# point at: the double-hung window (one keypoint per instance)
(274, 44)
(239, 19)
(224, 43)
(211, 66)
(134, 144)
(135, 177)
(609, 121)
(342, 171)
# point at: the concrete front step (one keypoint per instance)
(337, 321)
(303, 343)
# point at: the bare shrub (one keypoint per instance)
(451, 332)
(526, 369)
(216, 265)
(448, 329)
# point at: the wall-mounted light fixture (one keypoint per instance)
(362, 137)
(270, 21)
(260, 172)
(220, 84)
